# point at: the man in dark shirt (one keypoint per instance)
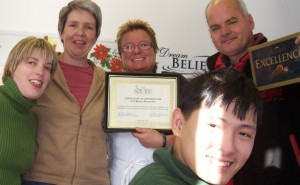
(273, 160)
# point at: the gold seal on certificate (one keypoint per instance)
(140, 100)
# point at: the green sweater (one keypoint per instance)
(166, 170)
(17, 133)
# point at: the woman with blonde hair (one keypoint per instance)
(27, 73)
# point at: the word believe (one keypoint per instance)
(183, 62)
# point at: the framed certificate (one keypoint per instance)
(140, 100)
(276, 63)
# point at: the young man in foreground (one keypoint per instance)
(215, 126)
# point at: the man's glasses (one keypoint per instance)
(130, 47)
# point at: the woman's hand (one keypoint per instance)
(150, 138)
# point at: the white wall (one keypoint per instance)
(179, 24)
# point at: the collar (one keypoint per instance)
(223, 61)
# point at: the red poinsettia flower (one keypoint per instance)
(116, 65)
(100, 52)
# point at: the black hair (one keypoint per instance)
(228, 86)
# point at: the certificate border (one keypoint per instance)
(109, 98)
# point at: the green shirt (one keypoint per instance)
(17, 133)
(166, 170)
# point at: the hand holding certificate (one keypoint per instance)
(140, 100)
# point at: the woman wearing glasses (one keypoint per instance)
(137, 47)
(129, 152)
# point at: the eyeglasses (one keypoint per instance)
(130, 47)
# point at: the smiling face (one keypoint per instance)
(79, 36)
(230, 29)
(213, 142)
(139, 60)
(32, 75)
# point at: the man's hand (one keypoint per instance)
(297, 41)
